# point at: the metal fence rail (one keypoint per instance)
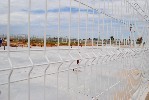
(115, 75)
(106, 70)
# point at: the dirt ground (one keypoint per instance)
(147, 98)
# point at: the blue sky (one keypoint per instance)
(19, 21)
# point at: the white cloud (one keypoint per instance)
(20, 17)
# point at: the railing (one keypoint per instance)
(115, 71)
(116, 74)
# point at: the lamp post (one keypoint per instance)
(131, 41)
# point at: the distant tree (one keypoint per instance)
(112, 38)
(95, 39)
(139, 40)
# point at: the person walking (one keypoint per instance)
(1, 42)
